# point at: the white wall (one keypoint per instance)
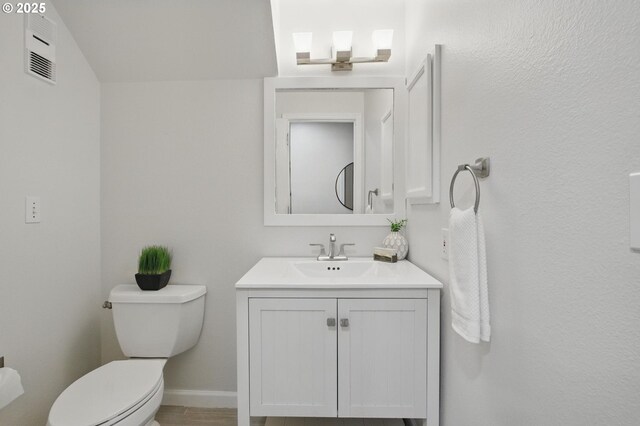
(182, 166)
(50, 272)
(550, 91)
(325, 101)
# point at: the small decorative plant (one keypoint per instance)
(154, 268)
(395, 240)
(397, 225)
(154, 260)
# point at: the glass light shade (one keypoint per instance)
(302, 42)
(342, 40)
(382, 39)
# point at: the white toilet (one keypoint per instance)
(151, 326)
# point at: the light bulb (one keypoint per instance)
(302, 42)
(382, 39)
(342, 40)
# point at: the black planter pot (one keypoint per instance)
(153, 282)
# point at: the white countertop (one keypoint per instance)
(355, 273)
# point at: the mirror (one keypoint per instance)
(344, 186)
(330, 151)
(319, 132)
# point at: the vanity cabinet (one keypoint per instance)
(360, 343)
(338, 357)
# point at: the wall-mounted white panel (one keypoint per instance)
(634, 213)
(419, 154)
(423, 131)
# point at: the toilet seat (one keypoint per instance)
(108, 394)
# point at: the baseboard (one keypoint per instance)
(199, 398)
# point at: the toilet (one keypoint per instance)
(151, 326)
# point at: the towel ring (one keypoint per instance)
(475, 181)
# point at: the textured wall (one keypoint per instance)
(182, 166)
(550, 90)
(49, 272)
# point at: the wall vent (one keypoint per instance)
(40, 47)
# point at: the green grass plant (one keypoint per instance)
(154, 260)
(397, 225)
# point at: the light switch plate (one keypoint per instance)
(634, 211)
(32, 210)
(444, 249)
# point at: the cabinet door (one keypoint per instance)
(293, 357)
(382, 358)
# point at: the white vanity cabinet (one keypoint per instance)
(329, 357)
(360, 342)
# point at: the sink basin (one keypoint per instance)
(315, 269)
(295, 272)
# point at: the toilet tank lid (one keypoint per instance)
(175, 293)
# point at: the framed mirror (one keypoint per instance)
(333, 151)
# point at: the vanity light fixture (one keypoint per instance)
(341, 59)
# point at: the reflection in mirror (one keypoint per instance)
(344, 186)
(318, 132)
(317, 152)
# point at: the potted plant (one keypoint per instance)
(396, 240)
(154, 268)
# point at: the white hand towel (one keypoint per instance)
(468, 276)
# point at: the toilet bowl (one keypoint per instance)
(123, 393)
(151, 326)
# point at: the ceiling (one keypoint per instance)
(158, 40)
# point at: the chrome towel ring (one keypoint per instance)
(479, 169)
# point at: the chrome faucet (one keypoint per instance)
(332, 245)
(332, 249)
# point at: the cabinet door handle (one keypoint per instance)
(344, 322)
(331, 322)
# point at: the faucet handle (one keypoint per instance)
(341, 252)
(332, 238)
(322, 251)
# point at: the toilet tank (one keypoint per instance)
(157, 324)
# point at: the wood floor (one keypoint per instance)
(169, 415)
(315, 421)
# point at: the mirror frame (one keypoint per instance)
(271, 86)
